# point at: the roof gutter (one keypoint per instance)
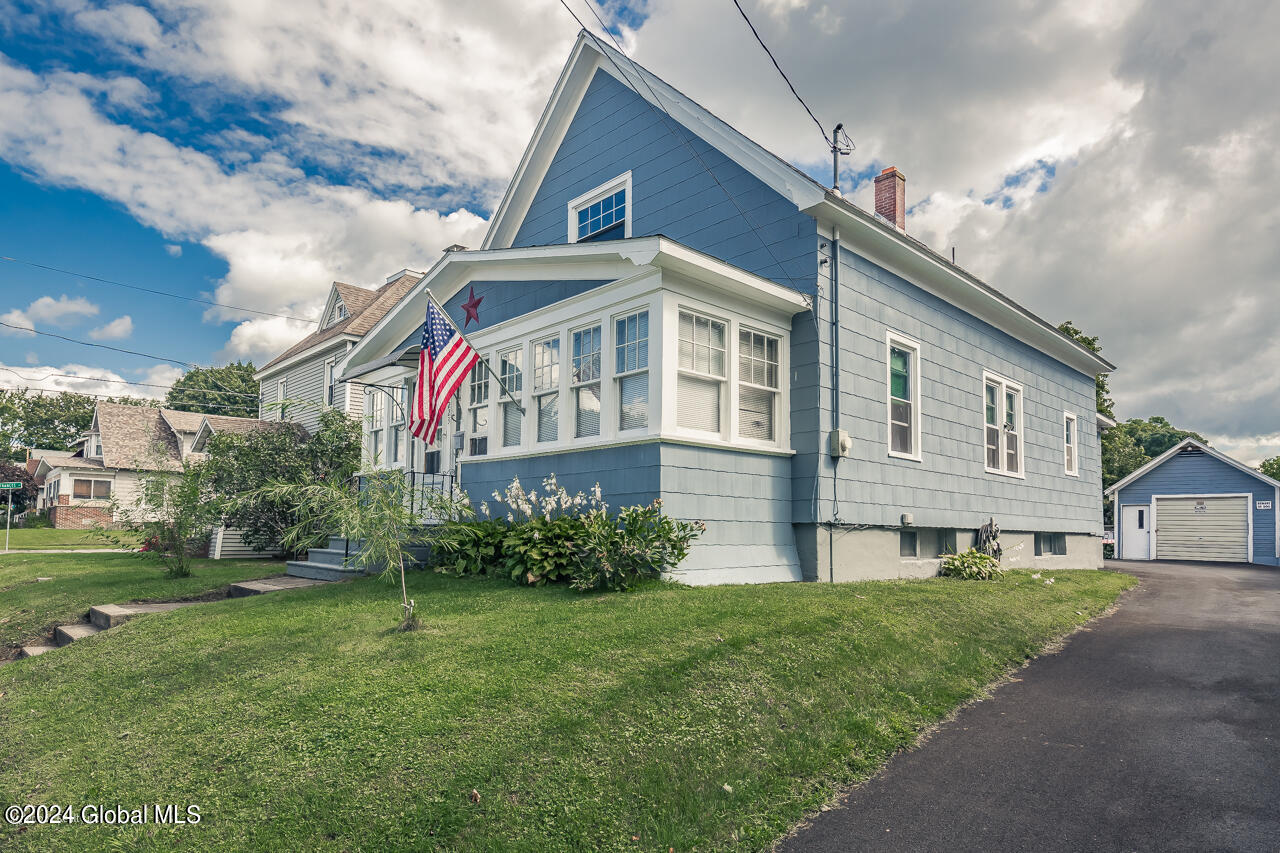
(925, 268)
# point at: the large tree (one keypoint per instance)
(40, 419)
(1156, 435)
(227, 390)
(24, 497)
(1102, 381)
(1271, 467)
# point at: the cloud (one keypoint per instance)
(117, 329)
(173, 250)
(61, 311)
(32, 358)
(17, 323)
(84, 379)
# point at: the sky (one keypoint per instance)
(1111, 163)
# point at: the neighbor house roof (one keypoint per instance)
(364, 309)
(863, 231)
(138, 437)
(211, 425)
(1178, 448)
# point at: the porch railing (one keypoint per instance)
(419, 485)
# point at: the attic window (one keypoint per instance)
(603, 213)
(338, 314)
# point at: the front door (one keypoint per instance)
(1135, 532)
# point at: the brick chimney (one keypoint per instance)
(891, 196)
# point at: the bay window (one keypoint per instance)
(586, 382)
(701, 372)
(757, 384)
(903, 393)
(631, 368)
(1002, 416)
(478, 409)
(510, 370)
(546, 387)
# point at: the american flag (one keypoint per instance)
(445, 359)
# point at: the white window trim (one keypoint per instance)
(893, 339)
(616, 377)
(1005, 384)
(1071, 470)
(524, 350)
(329, 378)
(728, 382)
(282, 387)
(623, 181)
(490, 405)
(599, 381)
(735, 403)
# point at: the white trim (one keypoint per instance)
(1005, 386)
(891, 340)
(622, 182)
(282, 390)
(1248, 496)
(1168, 454)
(1072, 470)
(306, 355)
(1118, 514)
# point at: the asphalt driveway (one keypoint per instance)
(1158, 728)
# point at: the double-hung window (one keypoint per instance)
(510, 368)
(1070, 445)
(903, 371)
(478, 409)
(603, 213)
(395, 442)
(757, 384)
(281, 388)
(586, 382)
(1002, 414)
(701, 374)
(546, 387)
(330, 383)
(375, 408)
(631, 369)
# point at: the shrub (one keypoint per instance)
(556, 537)
(971, 565)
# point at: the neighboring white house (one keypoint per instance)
(300, 383)
(121, 446)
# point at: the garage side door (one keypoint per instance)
(1213, 528)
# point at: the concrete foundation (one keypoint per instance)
(841, 554)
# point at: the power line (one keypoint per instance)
(153, 290)
(121, 382)
(664, 116)
(99, 346)
(148, 400)
(825, 139)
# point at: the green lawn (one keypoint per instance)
(31, 608)
(706, 719)
(25, 539)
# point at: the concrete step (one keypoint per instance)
(66, 634)
(337, 543)
(110, 615)
(275, 584)
(35, 650)
(302, 569)
(327, 557)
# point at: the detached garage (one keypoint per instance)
(1194, 503)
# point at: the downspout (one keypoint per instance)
(835, 397)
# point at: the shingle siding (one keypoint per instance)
(615, 131)
(950, 487)
(1201, 474)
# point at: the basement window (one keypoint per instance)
(1051, 544)
(906, 543)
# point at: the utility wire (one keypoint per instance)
(826, 139)
(159, 404)
(119, 381)
(187, 364)
(664, 116)
(154, 291)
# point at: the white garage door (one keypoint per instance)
(1213, 528)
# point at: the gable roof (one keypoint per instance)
(1178, 448)
(180, 421)
(893, 249)
(364, 308)
(211, 425)
(137, 437)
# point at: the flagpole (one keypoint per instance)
(483, 360)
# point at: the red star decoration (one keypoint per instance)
(472, 307)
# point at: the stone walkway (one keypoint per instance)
(106, 616)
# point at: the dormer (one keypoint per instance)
(92, 441)
(335, 312)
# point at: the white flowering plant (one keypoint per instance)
(971, 565)
(548, 535)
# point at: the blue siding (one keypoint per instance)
(949, 488)
(615, 130)
(503, 300)
(1199, 473)
(627, 475)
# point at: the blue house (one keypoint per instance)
(1194, 503)
(684, 315)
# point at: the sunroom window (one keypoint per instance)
(546, 387)
(757, 384)
(586, 382)
(631, 367)
(478, 410)
(1002, 413)
(701, 372)
(510, 369)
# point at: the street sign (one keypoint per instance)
(10, 485)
